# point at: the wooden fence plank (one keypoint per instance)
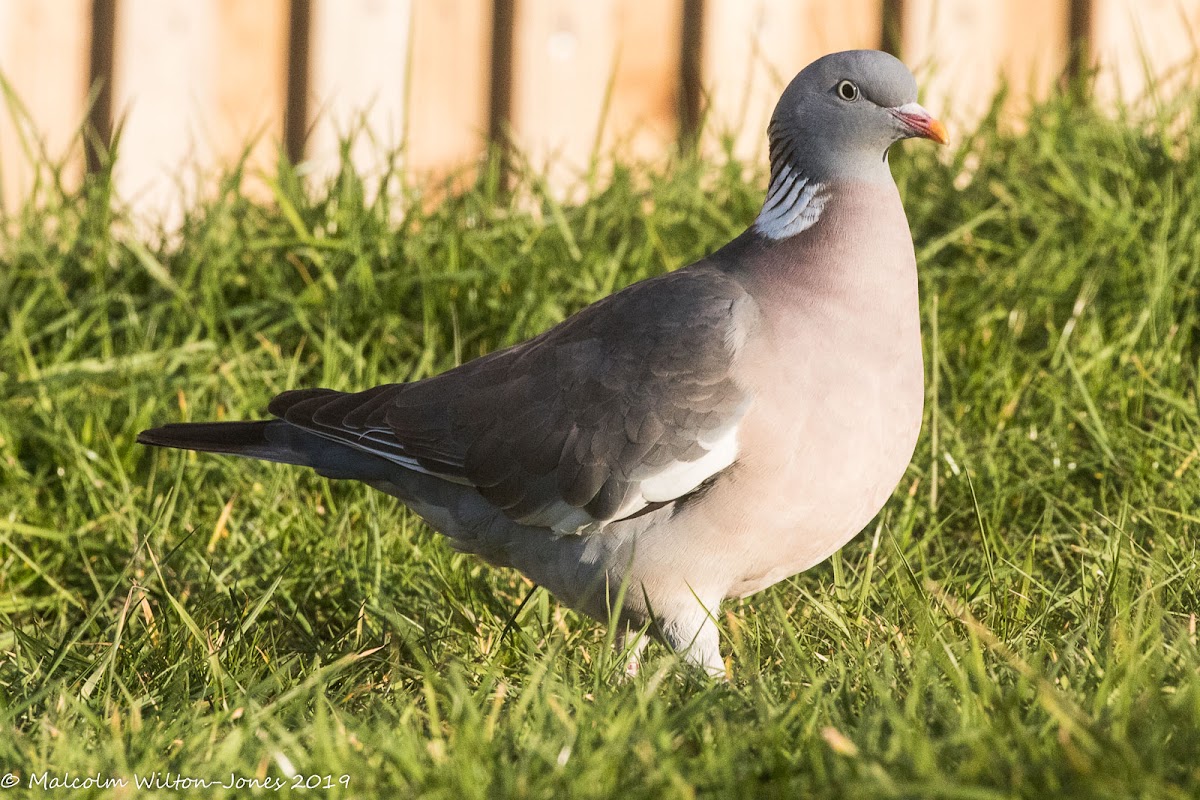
(164, 69)
(753, 48)
(448, 87)
(358, 54)
(44, 56)
(960, 48)
(562, 59)
(566, 55)
(1129, 36)
(643, 116)
(251, 89)
(194, 82)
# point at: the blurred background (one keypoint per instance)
(191, 84)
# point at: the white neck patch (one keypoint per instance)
(794, 203)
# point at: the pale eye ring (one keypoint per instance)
(847, 91)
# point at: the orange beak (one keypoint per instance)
(937, 132)
(920, 122)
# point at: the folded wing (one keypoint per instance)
(628, 404)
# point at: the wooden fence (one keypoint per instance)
(195, 80)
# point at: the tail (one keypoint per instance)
(271, 440)
(247, 439)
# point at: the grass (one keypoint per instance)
(1020, 621)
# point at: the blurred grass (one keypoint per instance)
(1020, 622)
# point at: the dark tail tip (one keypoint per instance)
(237, 438)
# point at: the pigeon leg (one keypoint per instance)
(697, 639)
(632, 642)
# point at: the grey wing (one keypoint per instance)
(628, 404)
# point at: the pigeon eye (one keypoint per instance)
(847, 91)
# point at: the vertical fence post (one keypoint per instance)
(98, 133)
(1079, 31)
(691, 62)
(500, 79)
(891, 36)
(295, 112)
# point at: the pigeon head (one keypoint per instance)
(839, 116)
(835, 122)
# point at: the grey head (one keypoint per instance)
(835, 122)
